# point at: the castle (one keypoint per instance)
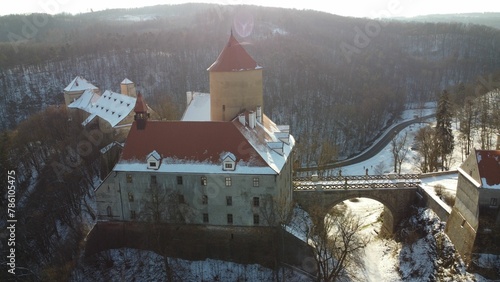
(224, 163)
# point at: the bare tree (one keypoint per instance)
(327, 154)
(399, 150)
(428, 149)
(336, 244)
(277, 213)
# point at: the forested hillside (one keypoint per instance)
(334, 79)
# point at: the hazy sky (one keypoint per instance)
(355, 8)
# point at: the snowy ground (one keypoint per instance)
(141, 265)
(380, 255)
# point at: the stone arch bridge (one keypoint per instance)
(396, 192)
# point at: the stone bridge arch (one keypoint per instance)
(396, 202)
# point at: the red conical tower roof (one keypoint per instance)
(233, 58)
(140, 104)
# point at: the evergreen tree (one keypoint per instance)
(443, 128)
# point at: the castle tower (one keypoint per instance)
(235, 83)
(127, 87)
(141, 112)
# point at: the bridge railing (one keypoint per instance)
(358, 177)
(356, 182)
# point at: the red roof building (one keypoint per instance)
(223, 171)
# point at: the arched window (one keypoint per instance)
(108, 210)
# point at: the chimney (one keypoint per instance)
(189, 97)
(241, 118)
(251, 119)
(259, 114)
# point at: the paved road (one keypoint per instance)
(374, 150)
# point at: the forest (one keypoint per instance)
(334, 79)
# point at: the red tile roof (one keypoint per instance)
(191, 141)
(233, 58)
(140, 104)
(488, 163)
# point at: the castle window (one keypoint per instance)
(256, 219)
(204, 200)
(181, 199)
(179, 180)
(493, 202)
(205, 218)
(256, 201)
(255, 182)
(129, 178)
(153, 179)
(203, 181)
(132, 215)
(130, 197)
(109, 212)
(229, 200)
(229, 218)
(153, 160)
(228, 181)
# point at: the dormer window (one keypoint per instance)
(228, 161)
(153, 160)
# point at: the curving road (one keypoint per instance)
(375, 149)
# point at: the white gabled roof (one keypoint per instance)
(88, 98)
(113, 107)
(155, 155)
(228, 155)
(126, 81)
(79, 84)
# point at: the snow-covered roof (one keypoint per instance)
(155, 155)
(126, 81)
(110, 106)
(79, 84)
(108, 147)
(113, 107)
(198, 109)
(264, 139)
(173, 165)
(227, 155)
(88, 98)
